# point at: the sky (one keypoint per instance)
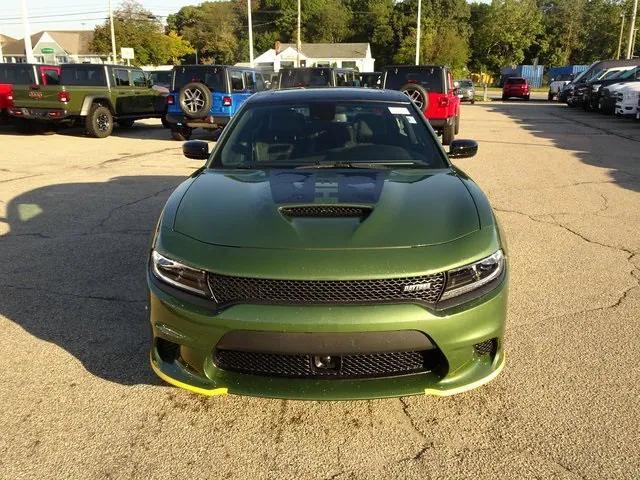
(71, 14)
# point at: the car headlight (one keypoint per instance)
(596, 87)
(470, 277)
(180, 275)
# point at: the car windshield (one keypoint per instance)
(213, 77)
(516, 81)
(431, 78)
(323, 134)
(312, 77)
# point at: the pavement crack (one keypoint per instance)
(128, 204)
(129, 156)
(20, 178)
(73, 295)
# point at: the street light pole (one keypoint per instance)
(418, 32)
(632, 27)
(620, 37)
(250, 34)
(28, 48)
(299, 46)
(113, 35)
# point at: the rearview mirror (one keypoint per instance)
(196, 149)
(463, 148)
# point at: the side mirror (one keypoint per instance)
(196, 149)
(463, 148)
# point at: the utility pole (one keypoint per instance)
(299, 47)
(633, 43)
(28, 48)
(632, 27)
(113, 35)
(418, 32)
(250, 34)
(620, 37)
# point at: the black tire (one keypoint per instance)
(457, 124)
(418, 95)
(165, 122)
(195, 100)
(448, 134)
(126, 123)
(24, 126)
(99, 122)
(181, 133)
(504, 97)
(473, 100)
(527, 98)
(550, 97)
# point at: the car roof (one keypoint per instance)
(389, 67)
(329, 93)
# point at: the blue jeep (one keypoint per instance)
(207, 96)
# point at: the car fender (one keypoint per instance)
(90, 99)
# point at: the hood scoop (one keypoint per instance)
(326, 211)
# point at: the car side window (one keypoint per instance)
(341, 79)
(259, 82)
(138, 78)
(249, 81)
(122, 77)
(237, 84)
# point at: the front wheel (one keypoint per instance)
(99, 122)
(448, 134)
(181, 133)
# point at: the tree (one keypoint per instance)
(509, 28)
(137, 28)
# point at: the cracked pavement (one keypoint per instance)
(79, 399)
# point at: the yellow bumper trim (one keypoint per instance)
(465, 388)
(202, 391)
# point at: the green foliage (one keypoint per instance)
(137, 28)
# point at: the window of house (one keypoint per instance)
(348, 64)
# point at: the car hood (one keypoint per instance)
(401, 208)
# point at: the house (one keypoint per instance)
(54, 47)
(341, 55)
(4, 39)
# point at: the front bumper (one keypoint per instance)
(209, 122)
(195, 330)
(43, 114)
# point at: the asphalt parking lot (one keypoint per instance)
(79, 399)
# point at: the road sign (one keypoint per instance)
(127, 53)
(47, 50)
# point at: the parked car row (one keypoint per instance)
(100, 97)
(609, 87)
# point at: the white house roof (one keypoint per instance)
(330, 50)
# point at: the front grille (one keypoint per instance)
(421, 289)
(330, 211)
(303, 366)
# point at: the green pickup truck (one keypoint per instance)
(93, 95)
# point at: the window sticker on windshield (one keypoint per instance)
(399, 111)
(410, 119)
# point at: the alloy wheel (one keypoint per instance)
(193, 100)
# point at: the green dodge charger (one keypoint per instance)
(328, 249)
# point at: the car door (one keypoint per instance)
(239, 91)
(144, 96)
(123, 92)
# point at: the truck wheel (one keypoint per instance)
(181, 133)
(473, 100)
(550, 97)
(448, 134)
(24, 126)
(126, 123)
(457, 120)
(418, 95)
(504, 97)
(527, 98)
(165, 122)
(99, 122)
(195, 100)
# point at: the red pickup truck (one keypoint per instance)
(432, 89)
(23, 74)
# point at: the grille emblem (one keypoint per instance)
(418, 287)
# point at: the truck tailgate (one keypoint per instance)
(42, 96)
